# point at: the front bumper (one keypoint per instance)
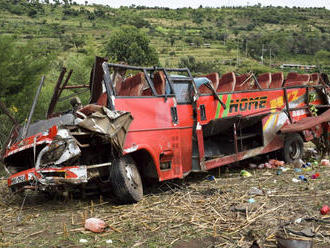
(49, 176)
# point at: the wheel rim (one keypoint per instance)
(131, 176)
(294, 150)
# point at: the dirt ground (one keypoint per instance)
(199, 211)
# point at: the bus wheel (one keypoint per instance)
(293, 147)
(125, 180)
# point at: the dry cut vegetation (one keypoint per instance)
(195, 212)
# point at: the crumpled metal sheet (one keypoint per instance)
(112, 124)
(306, 123)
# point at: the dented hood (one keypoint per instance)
(112, 124)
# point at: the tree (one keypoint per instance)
(131, 46)
(21, 67)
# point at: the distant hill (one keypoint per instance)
(253, 38)
(221, 38)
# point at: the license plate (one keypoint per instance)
(18, 179)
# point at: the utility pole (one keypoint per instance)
(262, 54)
(237, 62)
(246, 48)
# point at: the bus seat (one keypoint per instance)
(159, 84)
(133, 86)
(276, 80)
(295, 79)
(264, 80)
(227, 82)
(243, 82)
(315, 79)
(214, 77)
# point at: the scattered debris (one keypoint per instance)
(298, 221)
(211, 178)
(95, 225)
(315, 176)
(298, 163)
(324, 210)
(293, 243)
(255, 191)
(306, 232)
(261, 166)
(302, 178)
(83, 241)
(245, 173)
(276, 163)
(325, 162)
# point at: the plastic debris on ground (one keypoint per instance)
(298, 163)
(109, 241)
(298, 221)
(302, 178)
(83, 241)
(325, 162)
(284, 169)
(251, 200)
(95, 225)
(275, 163)
(255, 191)
(324, 210)
(268, 166)
(211, 178)
(245, 173)
(295, 180)
(315, 176)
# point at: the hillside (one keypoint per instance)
(204, 39)
(218, 36)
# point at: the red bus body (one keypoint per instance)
(196, 133)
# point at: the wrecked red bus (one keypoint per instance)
(161, 124)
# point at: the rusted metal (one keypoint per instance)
(96, 78)
(65, 83)
(75, 86)
(306, 123)
(287, 104)
(56, 93)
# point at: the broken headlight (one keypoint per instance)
(62, 149)
(55, 151)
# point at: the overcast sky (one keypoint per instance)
(211, 3)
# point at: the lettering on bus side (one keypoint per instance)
(247, 104)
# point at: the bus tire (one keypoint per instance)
(126, 180)
(293, 147)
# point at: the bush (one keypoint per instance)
(197, 66)
(172, 53)
(132, 46)
(21, 67)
